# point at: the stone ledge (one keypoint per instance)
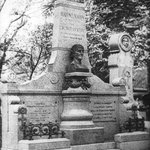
(47, 144)
(96, 146)
(31, 91)
(78, 74)
(109, 92)
(113, 149)
(134, 145)
(82, 136)
(134, 136)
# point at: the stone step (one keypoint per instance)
(95, 146)
(113, 149)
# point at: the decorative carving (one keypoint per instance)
(126, 43)
(76, 82)
(22, 110)
(76, 57)
(77, 73)
(120, 41)
(119, 81)
(54, 79)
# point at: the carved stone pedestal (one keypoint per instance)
(76, 113)
(76, 117)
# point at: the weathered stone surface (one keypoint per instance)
(48, 81)
(113, 149)
(105, 103)
(9, 116)
(104, 109)
(65, 149)
(85, 135)
(42, 108)
(69, 24)
(69, 29)
(134, 136)
(76, 113)
(135, 145)
(120, 61)
(99, 87)
(95, 146)
(44, 144)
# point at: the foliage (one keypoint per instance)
(18, 20)
(48, 8)
(111, 16)
(31, 54)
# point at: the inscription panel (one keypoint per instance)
(42, 110)
(70, 29)
(103, 111)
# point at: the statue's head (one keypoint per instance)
(77, 52)
(76, 56)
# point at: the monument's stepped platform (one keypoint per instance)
(123, 141)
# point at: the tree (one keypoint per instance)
(108, 17)
(31, 53)
(19, 19)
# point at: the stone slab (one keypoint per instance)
(135, 145)
(95, 146)
(85, 135)
(83, 74)
(134, 136)
(105, 114)
(42, 108)
(66, 149)
(44, 144)
(113, 149)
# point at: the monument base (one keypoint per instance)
(85, 135)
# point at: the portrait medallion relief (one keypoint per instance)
(126, 43)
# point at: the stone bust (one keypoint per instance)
(76, 57)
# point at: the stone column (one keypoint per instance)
(120, 62)
(10, 107)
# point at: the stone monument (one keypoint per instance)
(121, 62)
(76, 117)
(88, 110)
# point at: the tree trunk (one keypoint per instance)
(2, 60)
(148, 73)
